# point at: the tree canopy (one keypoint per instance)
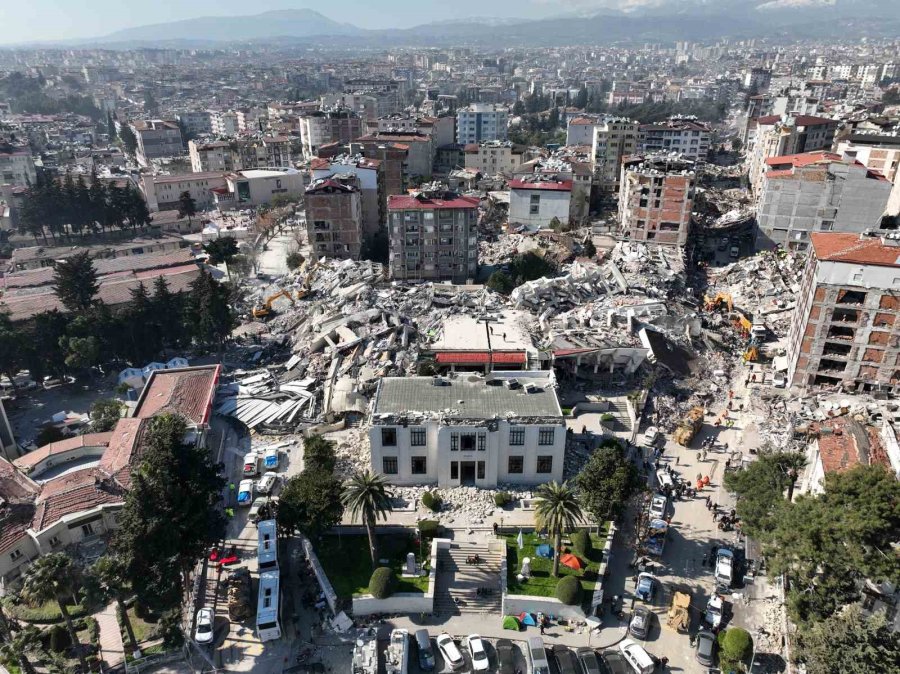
(850, 643)
(607, 481)
(75, 282)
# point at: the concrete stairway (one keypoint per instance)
(457, 580)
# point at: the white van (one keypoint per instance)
(637, 657)
(538, 656)
(664, 479)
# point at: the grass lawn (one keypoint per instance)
(348, 564)
(542, 583)
(143, 630)
(45, 613)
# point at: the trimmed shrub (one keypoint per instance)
(502, 498)
(429, 528)
(59, 639)
(45, 613)
(735, 644)
(568, 590)
(431, 501)
(581, 541)
(381, 583)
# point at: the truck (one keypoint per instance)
(689, 426)
(240, 601)
(679, 615)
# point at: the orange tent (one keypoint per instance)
(571, 561)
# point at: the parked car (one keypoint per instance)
(646, 586)
(640, 622)
(478, 652)
(566, 661)
(251, 464)
(506, 656)
(267, 483)
(637, 657)
(706, 648)
(256, 508)
(538, 656)
(715, 610)
(588, 661)
(203, 634)
(658, 505)
(615, 662)
(724, 569)
(651, 435)
(245, 493)
(426, 653)
(271, 457)
(450, 651)
(53, 382)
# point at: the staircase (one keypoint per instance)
(619, 408)
(457, 580)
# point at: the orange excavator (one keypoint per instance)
(264, 310)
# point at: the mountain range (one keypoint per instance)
(601, 21)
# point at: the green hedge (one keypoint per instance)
(59, 639)
(581, 541)
(381, 583)
(45, 613)
(502, 498)
(429, 528)
(432, 501)
(568, 590)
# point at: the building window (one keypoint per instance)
(388, 437)
(546, 436)
(482, 441)
(454, 442)
(389, 465)
(827, 225)
(467, 442)
(545, 464)
(418, 465)
(87, 529)
(15, 555)
(480, 468)
(517, 437)
(516, 465)
(454, 470)
(417, 437)
(54, 541)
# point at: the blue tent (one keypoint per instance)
(545, 551)
(527, 619)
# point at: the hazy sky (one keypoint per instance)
(27, 20)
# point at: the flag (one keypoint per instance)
(520, 540)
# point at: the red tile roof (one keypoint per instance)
(55, 448)
(186, 391)
(555, 186)
(854, 249)
(850, 444)
(15, 519)
(480, 357)
(811, 120)
(401, 202)
(74, 492)
(768, 119)
(803, 159)
(14, 486)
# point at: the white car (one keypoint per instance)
(651, 435)
(714, 610)
(267, 483)
(658, 506)
(450, 651)
(245, 493)
(204, 632)
(251, 464)
(271, 457)
(479, 653)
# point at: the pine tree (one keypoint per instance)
(167, 313)
(209, 311)
(186, 206)
(82, 206)
(129, 141)
(96, 203)
(75, 282)
(111, 127)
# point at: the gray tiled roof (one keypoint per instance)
(398, 395)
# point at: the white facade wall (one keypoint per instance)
(313, 133)
(481, 122)
(550, 204)
(497, 449)
(579, 134)
(17, 169)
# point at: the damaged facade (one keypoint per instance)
(656, 199)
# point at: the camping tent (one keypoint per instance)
(545, 551)
(510, 622)
(527, 619)
(570, 560)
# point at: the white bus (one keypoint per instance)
(267, 552)
(267, 625)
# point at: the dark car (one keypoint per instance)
(426, 652)
(589, 662)
(566, 660)
(706, 648)
(506, 656)
(615, 662)
(640, 622)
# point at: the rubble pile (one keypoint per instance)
(581, 282)
(461, 505)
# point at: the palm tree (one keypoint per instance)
(557, 509)
(17, 647)
(107, 577)
(53, 578)
(367, 496)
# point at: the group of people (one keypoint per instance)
(473, 559)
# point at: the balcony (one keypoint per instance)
(841, 332)
(845, 316)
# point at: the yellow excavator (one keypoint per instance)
(713, 303)
(265, 309)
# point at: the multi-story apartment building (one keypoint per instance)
(369, 175)
(878, 151)
(196, 122)
(257, 187)
(16, 166)
(505, 428)
(846, 327)
(778, 136)
(433, 236)
(757, 79)
(656, 199)
(420, 150)
(481, 121)
(318, 128)
(492, 157)
(580, 130)
(613, 139)
(535, 200)
(240, 154)
(157, 138)
(224, 123)
(684, 135)
(817, 191)
(334, 217)
(163, 191)
(217, 155)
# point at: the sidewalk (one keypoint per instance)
(112, 649)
